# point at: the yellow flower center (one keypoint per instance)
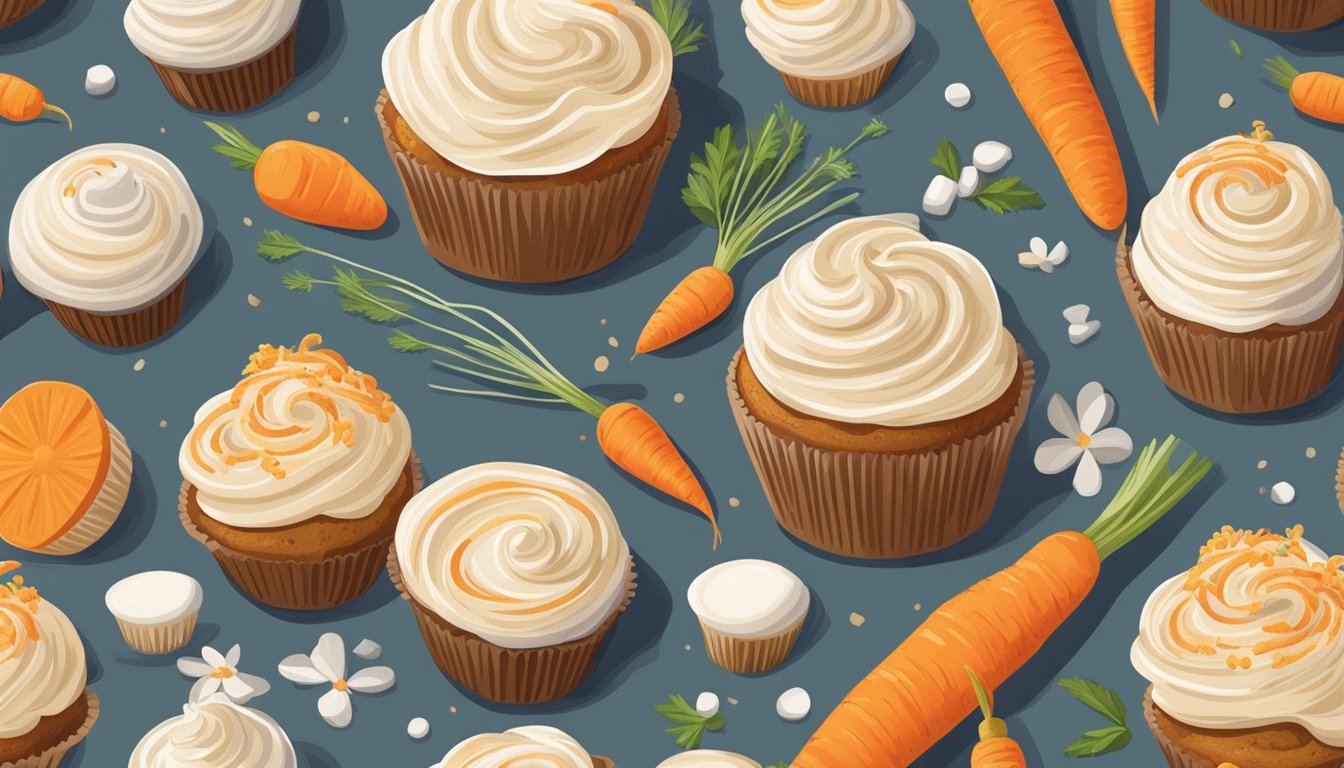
(1084, 439)
(341, 685)
(223, 673)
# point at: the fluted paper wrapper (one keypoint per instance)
(1280, 15)
(529, 230)
(846, 92)
(126, 330)
(602, 762)
(13, 10)
(880, 505)
(156, 640)
(1231, 372)
(508, 675)
(106, 508)
(1176, 757)
(52, 756)
(300, 585)
(236, 88)
(749, 656)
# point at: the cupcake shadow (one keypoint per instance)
(129, 530)
(313, 756)
(52, 20)
(18, 306)
(915, 63)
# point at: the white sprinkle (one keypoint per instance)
(418, 728)
(612, 342)
(163, 424)
(368, 650)
(314, 116)
(1282, 493)
(163, 130)
(733, 501)
(991, 156)
(252, 300)
(453, 710)
(99, 80)
(968, 182)
(603, 321)
(1311, 453)
(601, 364)
(1226, 100)
(918, 607)
(247, 221)
(707, 704)
(957, 95)
(678, 398)
(139, 365)
(793, 704)
(1081, 332)
(857, 619)
(345, 120)
(1077, 313)
(687, 647)
(582, 438)
(1261, 464)
(732, 701)
(940, 196)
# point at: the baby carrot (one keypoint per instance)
(23, 102)
(995, 749)
(699, 298)
(305, 181)
(1316, 94)
(1136, 22)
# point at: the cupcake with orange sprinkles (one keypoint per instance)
(1245, 655)
(294, 479)
(46, 708)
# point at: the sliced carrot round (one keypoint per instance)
(55, 450)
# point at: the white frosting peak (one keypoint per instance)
(154, 597)
(208, 34)
(215, 733)
(531, 746)
(42, 668)
(708, 758)
(749, 598)
(828, 39)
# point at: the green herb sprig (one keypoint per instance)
(674, 16)
(688, 725)
(1003, 195)
(1236, 48)
(1106, 703)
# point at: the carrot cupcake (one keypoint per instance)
(105, 236)
(217, 55)
(1235, 276)
(515, 573)
(531, 745)
(216, 733)
(1280, 15)
(294, 478)
(1244, 654)
(13, 11)
(878, 392)
(65, 471)
(830, 53)
(45, 706)
(750, 613)
(708, 758)
(528, 134)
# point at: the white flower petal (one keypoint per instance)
(299, 669)
(1056, 455)
(1039, 247)
(372, 680)
(1095, 407)
(1046, 267)
(259, 685)
(214, 658)
(234, 656)
(237, 689)
(1087, 480)
(1061, 417)
(329, 656)
(1111, 445)
(335, 708)
(203, 689)
(193, 667)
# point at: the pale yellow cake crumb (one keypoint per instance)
(1311, 452)
(612, 342)
(314, 116)
(601, 364)
(857, 619)
(253, 300)
(732, 701)
(919, 606)
(733, 501)
(163, 424)
(247, 221)
(1261, 464)
(139, 365)
(1226, 100)
(678, 398)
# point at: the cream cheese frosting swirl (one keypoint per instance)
(708, 758)
(42, 670)
(531, 746)
(208, 34)
(215, 733)
(828, 39)
(110, 228)
(1249, 637)
(529, 87)
(1244, 235)
(520, 555)
(302, 435)
(873, 323)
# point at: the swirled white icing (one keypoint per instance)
(302, 435)
(828, 39)
(749, 598)
(42, 670)
(208, 34)
(520, 555)
(110, 228)
(529, 87)
(531, 746)
(215, 733)
(1249, 637)
(708, 758)
(873, 323)
(1244, 235)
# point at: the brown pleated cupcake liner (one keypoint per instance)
(880, 505)
(1231, 372)
(845, 92)
(749, 656)
(11, 11)
(300, 585)
(529, 230)
(508, 675)
(159, 639)
(236, 88)
(106, 507)
(1176, 756)
(52, 756)
(127, 330)
(1280, 15)
(602, 762)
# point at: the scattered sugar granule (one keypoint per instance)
(253, 300)
(687, 647)
(163, 130)
(314, 116)
(732, 701)
(346, 119)
(418, 728)
(139, 365)
(1226, 100)
(583, 437)
(793, 705)
(1311, 453)
(957, 95)
(678, 398)
(368, 650)
(603, 321)
(612, 342)
(1262, 490)
(247, 221)
(733, 501)
(452, 710)
(1282, 493)
(919, 606)
(707, 704)
(601, 364)
(857, 619)
(163, 424)
(1261, 464)
(99, 80)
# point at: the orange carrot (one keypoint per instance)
(917, 694)
(1032, 46)
(702, 296)
(631, 438)
(995, 749)
(1136, 21)
(1315, 94)
(23, 102)
(305, 181)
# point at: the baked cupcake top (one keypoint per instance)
(749, 598)
(42, 668)
(1249, 637)
(302, 435)
(154, 597)
(534, 746)
(520, 555)
(215, 733)
(828, 39)
(1245, 234)
(109, 228)
(873, 323)
(208, 34)
(529, 87)
(708, 758)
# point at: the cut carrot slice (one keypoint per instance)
(55, 451)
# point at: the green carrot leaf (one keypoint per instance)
(1281, 71)
(1007, 195)
(357, 299)
(1102, 741)
(947, 159)
(405, 342)
(674, 16)
(1236, 48)
(236, 146)
(277, 246)
(298, 282)
(1096, 697)
(688, 725)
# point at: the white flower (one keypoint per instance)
(326, 666)
(1042, 257)
(216, 673)
(1085, 443)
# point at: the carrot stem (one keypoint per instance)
(985, 698)
(55, 110)
(236, 146)
(1148, 492)
(1282, 72)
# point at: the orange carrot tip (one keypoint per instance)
(8, 567)
(23, 102)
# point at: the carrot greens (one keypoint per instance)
(674, 16)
